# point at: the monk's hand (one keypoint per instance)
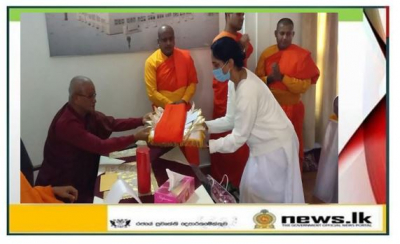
(244, 41)
(179, 102)
(276, 72)
(142, 135)
(66, 192)
(270, 79)
(147, 117)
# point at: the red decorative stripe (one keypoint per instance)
(387, 21)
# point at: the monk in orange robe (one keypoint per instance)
(289, 71)
(171, 78)
(231, 164)
(46, 194)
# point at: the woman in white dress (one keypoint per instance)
(272, 173)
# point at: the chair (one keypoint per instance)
(27, 167)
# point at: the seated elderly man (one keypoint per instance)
(77, 136)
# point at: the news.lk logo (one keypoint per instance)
(358, 219)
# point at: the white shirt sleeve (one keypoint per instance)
(244, 120)
(225, 123)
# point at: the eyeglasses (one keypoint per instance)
(88, 97)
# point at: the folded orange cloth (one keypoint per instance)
(171, 125)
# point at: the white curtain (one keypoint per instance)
(320, 36)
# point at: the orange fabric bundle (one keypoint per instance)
(171, 125)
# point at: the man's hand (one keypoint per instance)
(179, 102)
(142, 135)
(66, 192)
(244, 41)
(205, 126)
(147, 117)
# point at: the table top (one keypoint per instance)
(159, 165)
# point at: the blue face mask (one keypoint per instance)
(220, 76)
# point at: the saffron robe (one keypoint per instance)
(37, 194)
(170, 79)
(299, 72)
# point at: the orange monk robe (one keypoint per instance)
(37, 194)
(299, 72)
(231, 164)
(170, 79)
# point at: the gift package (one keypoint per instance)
(176, 126)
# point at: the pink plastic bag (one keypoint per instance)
(218, 193)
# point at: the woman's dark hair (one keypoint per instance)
(226, 48)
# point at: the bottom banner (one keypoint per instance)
(203, 219)
(248, 219)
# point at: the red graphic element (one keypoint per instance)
(387, 22)
(372, 136)
(375, 150)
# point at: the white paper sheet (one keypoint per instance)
(190, 117)
(98, 200)
(200, 196)
(120, 188)
(110, 161)
(175, 155)
(125, 153)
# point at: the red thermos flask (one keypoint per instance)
(143, 169)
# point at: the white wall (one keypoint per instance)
(118, 77)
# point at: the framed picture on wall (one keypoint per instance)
(72, 34)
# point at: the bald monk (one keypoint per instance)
(46, 194)
(169, 73)
(289, 71)
(231, 164)
(77, 136)
(171, 78)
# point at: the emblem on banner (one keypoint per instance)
(120, 223)
(264, 220)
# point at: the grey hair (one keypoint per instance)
(76, 83)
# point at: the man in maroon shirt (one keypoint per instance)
(77, 136)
